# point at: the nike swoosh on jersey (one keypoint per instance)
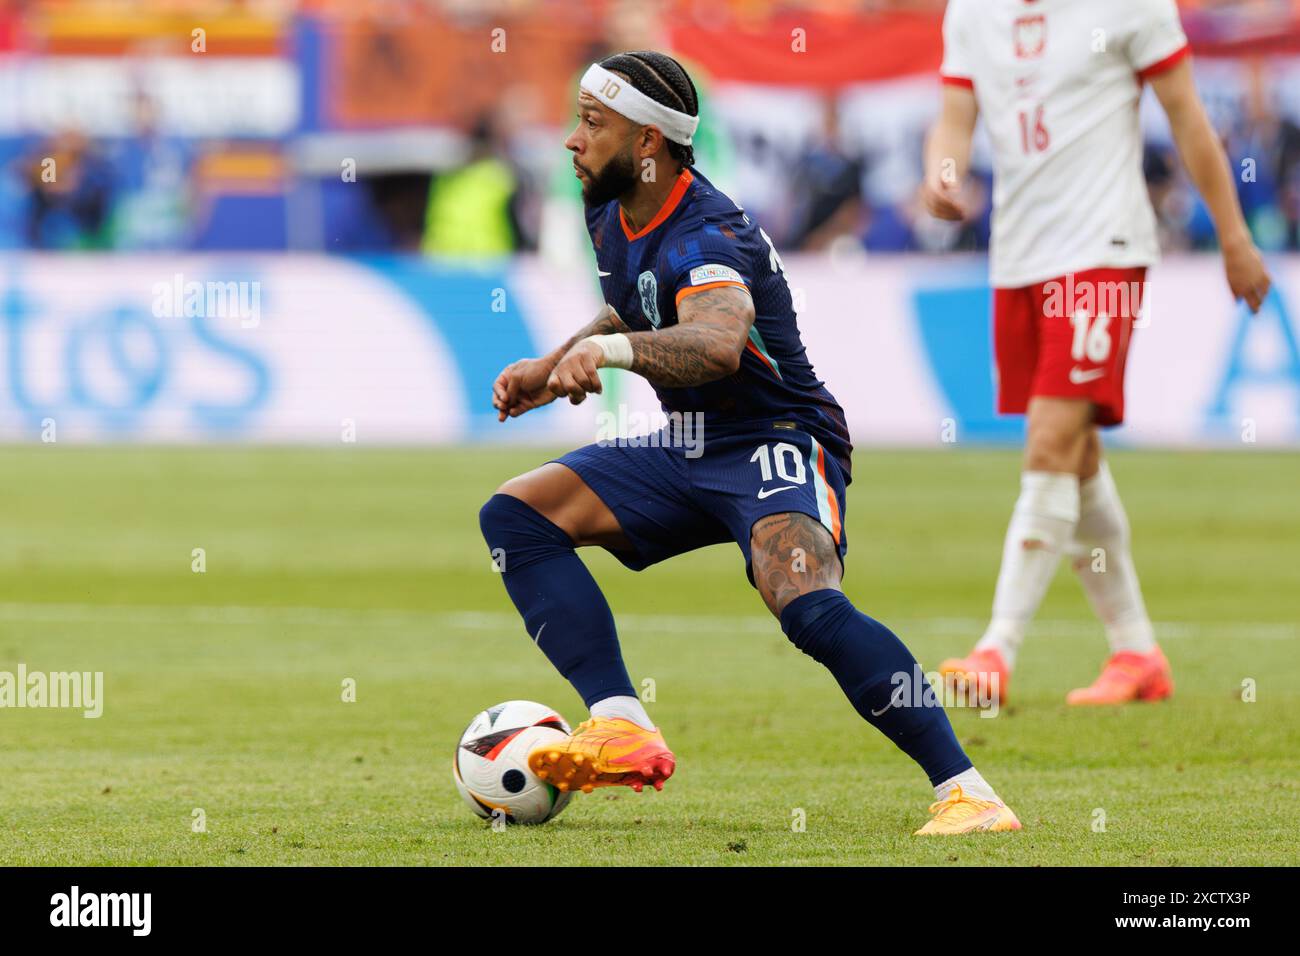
(603, 274)
(1078, 376)
(766, 492)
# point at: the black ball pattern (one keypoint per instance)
(513, 780)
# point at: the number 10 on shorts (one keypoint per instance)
(788, 460)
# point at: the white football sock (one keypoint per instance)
(1104, 564)
(1042, 526)
(629, 708)
(972, 785)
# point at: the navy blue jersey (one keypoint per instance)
(700, 240)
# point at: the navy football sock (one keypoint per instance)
(563, 610)
(865, 656)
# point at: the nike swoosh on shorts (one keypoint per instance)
(1078, 376)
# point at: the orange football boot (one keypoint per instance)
(605, 752)
(982, 675)
(1128, 676)
(962, 814)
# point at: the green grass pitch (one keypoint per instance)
(223, 689)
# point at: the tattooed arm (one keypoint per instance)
(522, 386)
(705, 345)
(606, 322)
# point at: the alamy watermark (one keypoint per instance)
(132, 911)
(917, 689)
(633, 429)
(1067, 298)
(74, 690)
(213, 299)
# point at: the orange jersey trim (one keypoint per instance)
(751, 347)
(830, 494)
(670, 204)
(692, 289)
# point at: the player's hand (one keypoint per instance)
(1247, 276)
(941, 198)
(521, 387)
(576, 374)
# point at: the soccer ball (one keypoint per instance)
(491, 764)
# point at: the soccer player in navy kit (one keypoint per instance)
(697, 304)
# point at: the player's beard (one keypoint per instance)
(616, 178)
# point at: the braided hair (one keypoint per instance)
(664, 80)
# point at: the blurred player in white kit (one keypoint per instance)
(1058, 83)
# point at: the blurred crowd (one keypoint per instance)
(821, 168)
(836, 187)
(506, 194)
(74, 192)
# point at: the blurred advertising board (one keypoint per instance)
(271, 349)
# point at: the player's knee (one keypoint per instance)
(774, 594)
(1102, 519)
(1090, 463)
(1098, 531)
(516, 487)
(1055, 449)
(780, 587)
(512, 499)
(792, 555)
(813, 623)
(504, 517)
(493, 517)
(517, 535)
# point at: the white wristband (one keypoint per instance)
(616, 347)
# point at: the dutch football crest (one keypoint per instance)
(649, 290)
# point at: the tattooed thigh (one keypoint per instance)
(792, 554)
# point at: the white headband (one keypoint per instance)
(622, 97)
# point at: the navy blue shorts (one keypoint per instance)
(669, 502)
